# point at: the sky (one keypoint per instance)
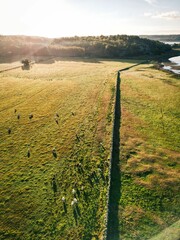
(60, 18)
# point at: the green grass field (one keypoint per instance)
(150, 101)
(68, 141)
(72, 103)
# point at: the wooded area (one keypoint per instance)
(113, 46)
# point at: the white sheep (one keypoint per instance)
(73, 191)
(74, 202)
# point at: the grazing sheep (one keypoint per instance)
(64, 204)
(74, 202)
(18, 116)
(77, 137)
(54, 185)
(28, 153)
(31, 116)
(73, 113)
(56, 120)
(15, 110)
(54, 152)
(57, 115)
(73, 191)
(9, 130)
(79, 167)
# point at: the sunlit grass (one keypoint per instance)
(149, 152)
(81, 93)
(71, 102)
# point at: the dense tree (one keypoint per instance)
(113, 46)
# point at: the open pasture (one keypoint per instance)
(55, 130)
(150, 152)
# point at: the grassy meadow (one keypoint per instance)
(150, 102)
(55, 130)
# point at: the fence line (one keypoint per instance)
(114, 186)
(114, 171)
(8, 69)
(21, 65)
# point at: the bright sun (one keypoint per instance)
(49, 18)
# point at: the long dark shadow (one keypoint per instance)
(115, 183)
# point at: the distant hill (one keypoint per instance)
(113, 46)
(163, 38)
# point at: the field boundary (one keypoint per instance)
(8, 69)
(114, 170)
(44, 60)
(114, 186)
(20, 66)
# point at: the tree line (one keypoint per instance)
(113, 46)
